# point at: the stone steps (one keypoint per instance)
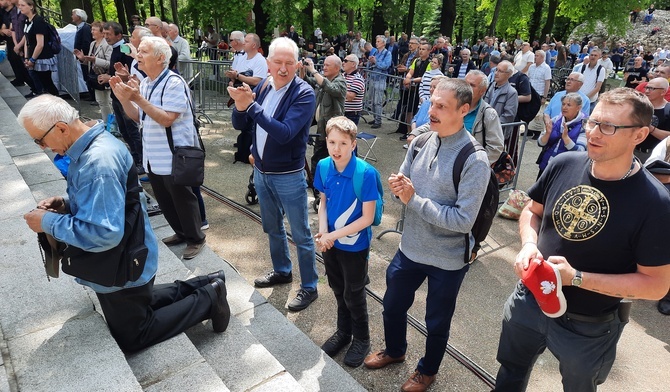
(54, 338)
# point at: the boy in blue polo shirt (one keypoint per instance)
(344, 237)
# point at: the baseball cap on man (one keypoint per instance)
(543, 279)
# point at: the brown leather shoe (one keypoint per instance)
(379, 359)
(417, 382)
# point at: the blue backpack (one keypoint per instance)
(361, 167)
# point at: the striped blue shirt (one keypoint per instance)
(171, 95)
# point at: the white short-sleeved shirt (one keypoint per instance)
(171, 95)
(591, 78)
(258, 64)
(538, 76)
(521, 59)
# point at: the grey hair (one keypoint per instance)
(466, 51)
(380, 36)
(237, 36)
(336, 59)
(484, 83)
(580, 76)
(160, 47)
(80, 13)
(143, 32)
(573, 97)
(541, 52)
(283, 43)
(460, 87)
(45, 110)
(353, 58)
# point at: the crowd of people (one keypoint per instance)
(452, 97)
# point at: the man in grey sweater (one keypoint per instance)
(432, 245)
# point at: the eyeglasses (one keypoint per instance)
(347, 61)
(650, 88)
(573, 80)
(605, 128)
(148, 25)
(40, 141)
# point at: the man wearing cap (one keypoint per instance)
(600, 219)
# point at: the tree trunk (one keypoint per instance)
(175, 16)
(350, 20)
(152, 8)
(308, 21)
(131, 8)
(261, 24)
(121, 15)
(162, 4)
(551, 17)
(378, 23)
(535, 20)
(410, 17)
(494, 20)
(102, 10)
(448, 17)
(142, 11)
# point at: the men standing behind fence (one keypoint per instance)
(353, 102)
(331, 93)
(501, 95)
(278, 113)
(237, 43)
(432, 244)
(254, 62)
(539, 74)
(379, 63)
(413, 78)
(403, 113)
(162, 100)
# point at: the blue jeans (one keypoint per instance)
(403, 278)
(377, 93)
(280, 194)
(585, 350)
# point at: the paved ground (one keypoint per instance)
(644, 352)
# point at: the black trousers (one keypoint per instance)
(129, 130)
(142, 316)
(16, 61)
(347, 275)
(180, 207)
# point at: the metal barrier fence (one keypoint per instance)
(68, 78)
(209, 83)
(396, 101)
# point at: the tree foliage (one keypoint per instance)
(472, 18)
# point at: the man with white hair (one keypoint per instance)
(573, 83)
(482, 120)
(539, 74)
(92, 216)
(162, 102)
(278, 113)
(523, 58)
(594, 77)
(82, 41)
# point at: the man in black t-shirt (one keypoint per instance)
(602, 221)
(635, 75)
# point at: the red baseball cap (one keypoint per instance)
(543, 279)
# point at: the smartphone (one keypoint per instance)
(125, 49)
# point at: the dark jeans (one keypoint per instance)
(585, 350)
(403, 278)
(16, 61)
(353, 116)
(179, 206)
(347, 275)
(141, 316)
(201, 203)
(129, 130)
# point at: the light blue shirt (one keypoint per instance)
(96, 197)
(554, 106)
(269, 106)
(382, 64)
(421, 116)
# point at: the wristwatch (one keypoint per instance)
(577, 280)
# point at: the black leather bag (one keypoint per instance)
(117, 266)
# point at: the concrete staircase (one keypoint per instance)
(53, 338)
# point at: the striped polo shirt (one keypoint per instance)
(355, 84)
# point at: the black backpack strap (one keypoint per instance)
(421, 141)
(484, 126)
(459, 163)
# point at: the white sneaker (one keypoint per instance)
(405, 146)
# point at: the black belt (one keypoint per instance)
(644, 150)
(353, 113)
(605, 318)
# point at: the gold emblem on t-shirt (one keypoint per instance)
(580, 213)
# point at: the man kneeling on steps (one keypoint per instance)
(92, 217)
